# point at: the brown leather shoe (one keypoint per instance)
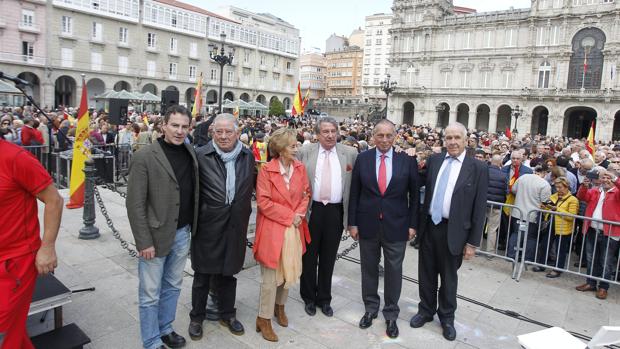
(601, 293)
(280, 315)
(264, 326)
(585, 287)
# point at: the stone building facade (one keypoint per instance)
(146, 45)
(376, 53)
(344, 75)
(313, 71)
(549, 69)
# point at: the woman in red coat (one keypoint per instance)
(282, 196)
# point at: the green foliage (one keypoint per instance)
(276, 108)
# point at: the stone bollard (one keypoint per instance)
(89, 231)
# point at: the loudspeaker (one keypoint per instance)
(117, 111)
(168, 99)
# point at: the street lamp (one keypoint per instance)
(388, 87)
(516, 112)
(222, 59)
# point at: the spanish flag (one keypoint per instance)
(197, 98)
(298, 108)
(590, 141)
(304, 103)
(81, 152)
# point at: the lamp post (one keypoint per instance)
(222, 59)
(388, 87)
(516, 112)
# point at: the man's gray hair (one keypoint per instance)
(458, 126)
(227, 117)
(327, 119)
(383, 122)
(497, 160)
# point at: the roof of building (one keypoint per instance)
(464, 10)
(193, 8)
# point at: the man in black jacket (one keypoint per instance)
(496, 193)
(227, 175)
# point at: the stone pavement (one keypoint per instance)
(109, 315)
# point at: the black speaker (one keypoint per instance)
(168, 99)
(117, 111)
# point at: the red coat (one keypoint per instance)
(277, 207)
(611, 207)
(29, 134)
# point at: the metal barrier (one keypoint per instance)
(496, 213)
(598, 250)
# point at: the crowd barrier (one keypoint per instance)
(499, 217)
(558, 241)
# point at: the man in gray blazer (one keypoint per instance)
(329, 165)
(162, 206)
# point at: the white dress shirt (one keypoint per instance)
(457, 163)
(336, 176)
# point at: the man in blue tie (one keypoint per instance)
(383, 216)
(456, 191)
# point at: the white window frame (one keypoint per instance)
(554, 37)
(28, 18)
(150, 68)
(96, 61)
(123, 35)
(510, 37)
(123, 64)
(193, 49)
(447, 41)
(446, 79)
(192, 72)
(174, 45)
(508, 76)
(230, 76)
(213, 75)
(96, 32)
(172, 70)
(66, 25)
(467, 40)
(151, 40)
(541, 36)
(544, 75)
(488, 41)
(66, 57)
(465, 79)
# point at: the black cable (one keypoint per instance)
(510, 313)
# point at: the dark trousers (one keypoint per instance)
(532, 238)
(393, 254)
(601, 254)
(325, 232)
(226, 291)
(436, 261)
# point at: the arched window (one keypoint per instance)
(544, 70)
(586, 62)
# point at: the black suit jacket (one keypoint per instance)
(468, 205)
(398, 205)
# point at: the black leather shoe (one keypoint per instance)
(234, 326)
(418, 320)
(449, 332)
(195, 330)
(327, 310)
(538, 269)
(173, 340)
(366, 320)
(310, 309)
(392, 329)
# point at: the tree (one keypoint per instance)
(276, 107)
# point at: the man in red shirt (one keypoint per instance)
(23, 253)
(30, 135)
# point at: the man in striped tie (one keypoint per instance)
(455, 200)
(383, 216)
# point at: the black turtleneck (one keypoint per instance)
(181, 162)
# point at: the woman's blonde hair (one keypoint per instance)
(280, 139)
(562, 180)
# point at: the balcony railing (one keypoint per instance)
(28, 27)
(17, 58)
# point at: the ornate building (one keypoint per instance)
(145, 45)
(549, 69)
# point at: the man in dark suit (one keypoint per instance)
(455, 200)
(383, 216)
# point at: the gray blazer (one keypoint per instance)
(153, 199)
(309, 153)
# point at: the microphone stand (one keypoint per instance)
(50, 122)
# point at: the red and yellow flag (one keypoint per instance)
(197, 98)
(304, 103)
(590, 142)
(81, 152)
(297, 102)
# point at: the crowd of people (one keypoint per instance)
(440, 189)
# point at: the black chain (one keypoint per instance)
(108, 220)
(114, 189)
(347, 250)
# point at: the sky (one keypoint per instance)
(318, 19)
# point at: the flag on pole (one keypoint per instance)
(297, 102)
(197, 98)
(81, 152)
(590, 142)
(236, 111)
(508, 133)
(304, 103)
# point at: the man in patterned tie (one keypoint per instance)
(329, 165)
(455, 200)
(383, 216)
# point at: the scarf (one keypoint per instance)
(229, 161)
